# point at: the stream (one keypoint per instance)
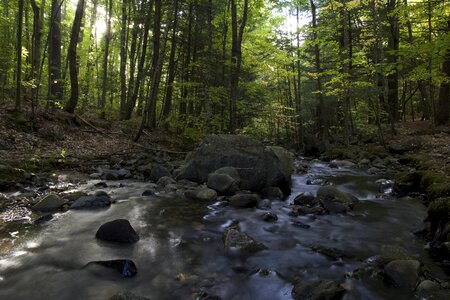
(180, 253)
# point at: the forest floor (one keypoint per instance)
(58, 134)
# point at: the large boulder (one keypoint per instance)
(203, 194)
(99, 200)
(335, 201)
(119, 231)
(223, 184)
(258, 166)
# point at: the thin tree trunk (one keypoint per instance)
(18, 106)
(54, 56)
(392, 78)
(72, 57)
(443, 113)
(102, 104)
(208, 70)
(36, 52)
(123, 60)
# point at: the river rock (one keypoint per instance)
(99, 200)
(223, 183)
(234, 238)
(335, 201)
(51, 202)
(125, 267)
(257, 166)
(205, 194)
(165, 180)
(127, 296)
(119, 231)
(272, 192)
(318, 290)
(264, 204)
(306, 198)
(4, 145)
(428, 289)
(159, 171)
(269, 217)
(403, 273)
(390, 253)
(115, 174)
(244, 200)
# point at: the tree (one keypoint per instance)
(54, 55)
(18, 106)
(102, 103)
(443, 112)
(72, 57)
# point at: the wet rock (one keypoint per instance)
(390, 253)
(127, 296)
(43, 219)
(318, 290)
(223, 184)
(159, 171)
(119, 231)
(335, 201)
(235, 239)
(305, 199)
(115, 174)
(125, 267)
(5, 145)
(258, 166)
(205, 194)
(406, 183)
(403, 273)
(428, 289)
(300, 224)
(264, 204)
(101, 184)
(148, 193)
(305, 210)
(99, 200)
(385, 186)
(244, 200)
(272, 192)
(165, 180)
(331, 253)
(333, 165)
(269, 217)
(51, 202)
(364, 163)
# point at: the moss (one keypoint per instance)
(431, 177)
(413, 177)
(10, 176)
(439, 212)
(420, 162)
(439, 189)
(340, 153)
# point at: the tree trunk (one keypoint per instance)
(392, 78)
(208, 70)
(54, 55)
(236, 59)
(171, 76)
(123, 60)
(18, 106)
(187, 61)
(102, 103)
(36, 52)
(443, 113)
(72, 57)
(321, 123)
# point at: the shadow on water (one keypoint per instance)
(180, 252)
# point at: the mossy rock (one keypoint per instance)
(439, 189)
(431, 177)
(340, 153)
(420, 162)
(9, 176)
(407, 182)
(439, 213)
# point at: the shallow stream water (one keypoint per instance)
(181, 253)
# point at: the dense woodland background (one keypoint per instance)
(305, 71)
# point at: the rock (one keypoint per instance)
(127, 296)
(318, 290)
(306, 198)
(99, 200)
(148, 193)
(222, 183)
(115, 174)
(205, 194)
(119, 231)
(264, 204)
(4, 145)
(230, 171)
(331, 253)
(165, 180)
(300, 224)
(403, 146)
(364, 163)
(406, 183)
(51, 202)
(257, 166)
(390, 253)
(333, 165)
(234, 238)
(428, 289)
(269, 217)
(272, 192)
(125, 267)
(335, 201)
(43, 219)
(244, 200)
(403, 273)
(101, 184)
(159, 171)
